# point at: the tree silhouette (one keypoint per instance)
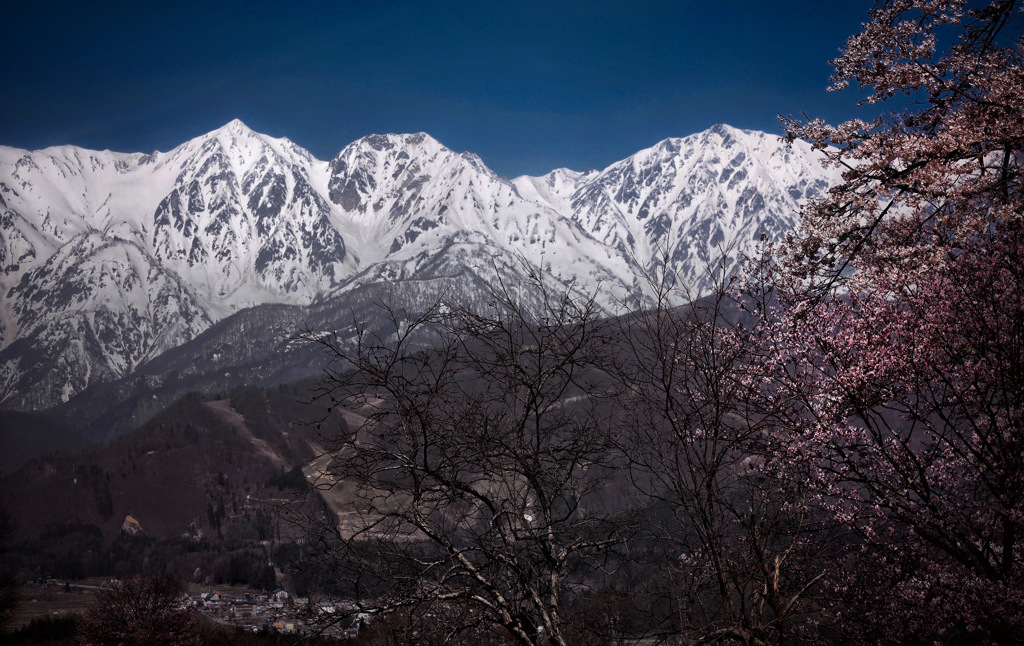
(738, 547)
(9, 598)
(480, 479)
(147, 611)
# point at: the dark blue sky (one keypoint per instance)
(529, 86)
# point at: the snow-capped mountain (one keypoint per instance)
(689, 199)
(110, 259)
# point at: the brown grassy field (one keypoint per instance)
(46, 600)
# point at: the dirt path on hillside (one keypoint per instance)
(222, 408)
(338, 494)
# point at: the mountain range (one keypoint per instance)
(128, 279)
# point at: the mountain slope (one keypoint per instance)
(195, 456)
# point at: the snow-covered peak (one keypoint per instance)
(379, 156)
(393, 141)
(380, 174)
(385, 153)
(241, 147)
(691, 199)
(236, 127)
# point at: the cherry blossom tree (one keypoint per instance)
(895, 322)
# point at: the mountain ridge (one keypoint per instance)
(110, 259)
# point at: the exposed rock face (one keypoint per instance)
(131, 526)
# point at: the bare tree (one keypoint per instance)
(738, 548)
(481, 479)
(142, 611)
